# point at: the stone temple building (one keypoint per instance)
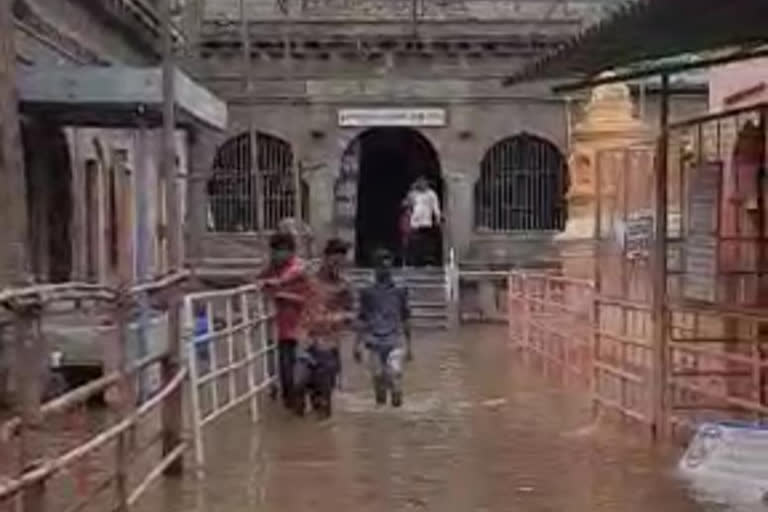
(361, 97)
(348, 101)
(71, 169)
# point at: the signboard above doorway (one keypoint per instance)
(381, 117)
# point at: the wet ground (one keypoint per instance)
(478, 432)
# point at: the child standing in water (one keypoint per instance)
(385, 331)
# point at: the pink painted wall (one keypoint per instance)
(733, 78)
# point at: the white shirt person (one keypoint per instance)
(425, 206)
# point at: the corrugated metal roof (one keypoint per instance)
(646, 30)
(113, 96)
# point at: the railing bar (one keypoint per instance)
(723, 356)
(613, 404)
(231, 345)
(745, 405)
(709, 373)
(51, 467)
(218, 412)
(625, 375)
(223, 333)
(625, 339)
(213, 355)
(79, 395)
(554, 359)
(249, 353)
(221, 372)
(156, 472)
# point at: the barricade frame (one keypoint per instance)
(249, 315)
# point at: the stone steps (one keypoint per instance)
(427, 297)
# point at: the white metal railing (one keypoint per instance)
(230, 353)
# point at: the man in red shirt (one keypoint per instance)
(288, 283)
(330, 312)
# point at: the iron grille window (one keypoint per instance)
(522, 186)
(233, 192)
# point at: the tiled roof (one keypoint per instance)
(646, 30)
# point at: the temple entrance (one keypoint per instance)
(49, 201)
(378, 169)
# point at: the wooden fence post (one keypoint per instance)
(33, 358)
(659, 405)
(525, 338)
(124, 400)
(13, 204)
(172, 407)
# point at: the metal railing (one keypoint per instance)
(716, 367)
(230, 351)
(55, 455)
(551, 320)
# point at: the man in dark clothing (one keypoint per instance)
(385, 331)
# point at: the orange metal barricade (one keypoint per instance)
(718, 358)
(550, 320)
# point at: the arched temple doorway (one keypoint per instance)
(377, 170)
(48, 173)
(522, 186)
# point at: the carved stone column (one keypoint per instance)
(608, 123)
(458, 206)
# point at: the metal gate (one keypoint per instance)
(522, 186)
(234, 189)
(229, 352)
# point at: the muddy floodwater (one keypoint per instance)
(478, 432)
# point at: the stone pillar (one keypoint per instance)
(13, 214)
(608, 124)
(202, 150)
(458, 206)
(321, 205)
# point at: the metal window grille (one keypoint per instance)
(522, 186)
(233, 189)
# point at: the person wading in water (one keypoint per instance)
(287, 282)
(384, 330)
(404, 227)
(330, 311)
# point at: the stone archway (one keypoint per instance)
(48, 169)
(377, 169)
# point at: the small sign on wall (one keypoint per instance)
(414, 117)
(702, 248)
(638, 235)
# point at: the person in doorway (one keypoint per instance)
(331, 310)
(404, 227)
(425, 219)
(384, 330)
(287, 281)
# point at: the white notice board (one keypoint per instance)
(702, 246)
(415, 117)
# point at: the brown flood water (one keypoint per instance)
(478, 432)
